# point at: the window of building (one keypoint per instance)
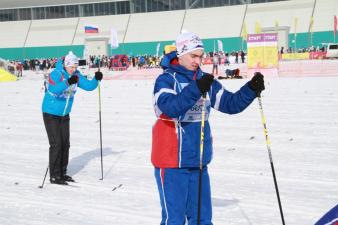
(106, 8)
(236, 2)
(123, 7)
(177, 4)
(258, 1)
(72, 11)
(193, 4)
(55, 12)
(157, 5)
(138, 6)
(112, 8)
(223, 2)
(98, 9)
(8, 15)
(87, 10)
(25, 14)
(39, 13)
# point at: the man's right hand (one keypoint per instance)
(73, 80)
(205, 82)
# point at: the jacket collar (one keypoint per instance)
(170, 62)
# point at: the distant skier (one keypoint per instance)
(177, 132)
(57, 103)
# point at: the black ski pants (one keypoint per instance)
(57, 128)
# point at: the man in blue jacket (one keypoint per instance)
(178, 105)
(57, 103)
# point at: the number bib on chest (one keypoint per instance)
(194, 114)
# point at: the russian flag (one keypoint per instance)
(91, 29)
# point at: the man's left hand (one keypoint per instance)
(257, 83)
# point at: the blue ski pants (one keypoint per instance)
(178, 190)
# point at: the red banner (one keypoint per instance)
(317, 55)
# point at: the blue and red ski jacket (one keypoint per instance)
(178, 106)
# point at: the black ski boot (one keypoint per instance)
(68, 178)
(58, 180)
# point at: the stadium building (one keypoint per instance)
(50, 28)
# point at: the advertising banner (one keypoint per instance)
(263, 52)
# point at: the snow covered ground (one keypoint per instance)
(302, 121)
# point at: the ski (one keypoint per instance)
(81, 185)
(116, 187)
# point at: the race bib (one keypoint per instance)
(69, 92)
(194, 114)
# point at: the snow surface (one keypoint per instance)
(302, 119)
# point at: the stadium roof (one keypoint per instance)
(9, 4)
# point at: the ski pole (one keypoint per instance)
(201, 161)
(270, 155)
(99, 90)
(44, 178)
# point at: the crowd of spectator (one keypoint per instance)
(144, 61)
(302, 50)
(137, 62)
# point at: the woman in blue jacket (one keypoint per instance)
(57, 103)
(176, 134)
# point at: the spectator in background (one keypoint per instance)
(19, 68)
(215, 63)
(226, 59)
(242, 56)
(282, 50)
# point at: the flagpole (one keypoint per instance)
(295, 24)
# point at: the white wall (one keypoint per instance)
(323, 15)
(215, 22)
(283, 12)
(157, 26)
(13, 34)
(53, 32)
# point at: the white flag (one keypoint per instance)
(85, 52)
(114, 43)
(220, 45)
(158, 48)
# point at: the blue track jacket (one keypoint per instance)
(59, 96)
(178, 106)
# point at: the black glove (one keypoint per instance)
(98, 75)
(73, 80)
(205, 82)
(257, 83)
